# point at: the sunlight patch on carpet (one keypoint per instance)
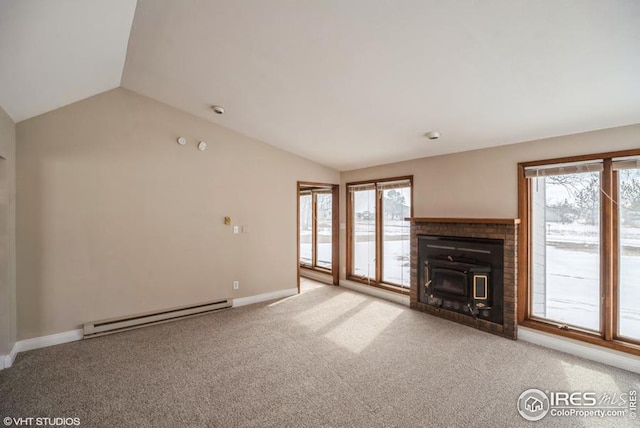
(328, 311)
(360, 330)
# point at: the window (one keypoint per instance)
(378, 236)
(364, 231)
(323, 229)
(396, 206)
(316, 228)
(565, 241)
(580, 248)
(628, 190)
(306, 229)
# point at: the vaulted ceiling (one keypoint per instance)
(54, 53)
(346, 83)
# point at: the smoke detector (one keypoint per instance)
(218, 109)
(433, 135)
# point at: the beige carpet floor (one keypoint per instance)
(328, 357)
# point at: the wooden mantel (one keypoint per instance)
(463, 220)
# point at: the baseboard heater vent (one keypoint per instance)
(115, 325)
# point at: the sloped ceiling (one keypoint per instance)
(54, 53)
(346, 83)
(358, 83)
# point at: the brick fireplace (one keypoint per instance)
(481, 252)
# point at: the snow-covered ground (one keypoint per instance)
(396, 248)
(573, 277)
(324, 248)
(396, 261)
(573, 287)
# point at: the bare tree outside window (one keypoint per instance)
(566, 249)
(379, 242)
(396, 236)
(581, 218)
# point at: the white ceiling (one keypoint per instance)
(54, 53)
(346, 83)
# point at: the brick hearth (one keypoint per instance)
(504, 229)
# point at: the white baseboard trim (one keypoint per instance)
(50, 340)
(6, 361)
(264, 297)
(376, 292)
(600, 354)
(39, 342)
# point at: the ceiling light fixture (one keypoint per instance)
(218, 109)
(433, 135)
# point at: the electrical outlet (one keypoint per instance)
(236, 229)
(236, 285)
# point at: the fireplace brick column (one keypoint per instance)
(504, 229)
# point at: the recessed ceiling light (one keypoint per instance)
(218, 109)
(433, 135)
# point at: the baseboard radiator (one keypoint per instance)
(115, 325)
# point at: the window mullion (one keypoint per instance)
(379, 236)
(314, 224)
(615, 251)
(350, 230)
(606, 251)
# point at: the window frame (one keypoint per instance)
(377, 282)
(609, 257)
(313, 192)
(313, 249)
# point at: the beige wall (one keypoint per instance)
(7, 234)
(115, 218)
(482, 183)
